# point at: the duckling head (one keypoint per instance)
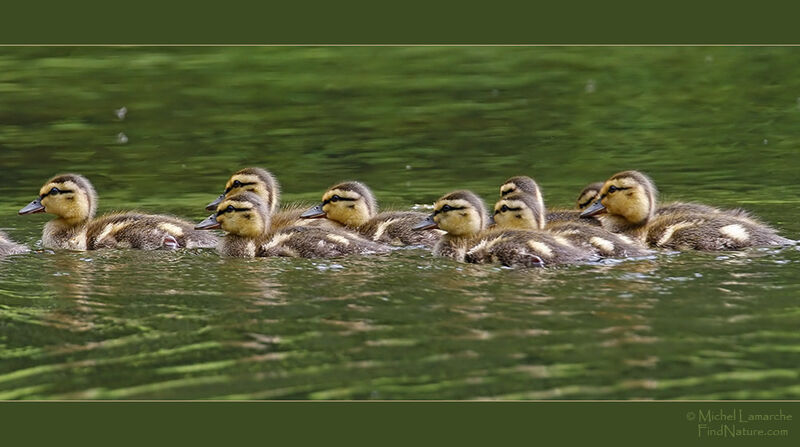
(69, 196)
(349, 203)
(520, 184)
(460, 213)
(630, 195)
(244, 214)
(255, 180)
(519, 211)
(588, 195)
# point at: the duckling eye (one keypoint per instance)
(237, 184)
(335, 198)
(230, 209)
(612, 188)
(504, 209)
(54, 191)
(446, 208)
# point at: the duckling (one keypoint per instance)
(246, 218)
(525, 185)
(353, 205)
(524, 212)
(72, 198)
(588, 195)
(627, 204)
(262, 183)
(9, 247)
(463, 216)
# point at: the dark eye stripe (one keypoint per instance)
(238, 186)
(507, 208)
(57, 191)
(226, 210)
(452, 208)
(325, 202)
(586, 203)
(613, 189)
(506, 192)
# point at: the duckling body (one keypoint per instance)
(262, 183)
(709, 232)
(9, 247)
(524, 211)
(627, 204)
(73, 200)
(246, 219)
(353, 205)
(463, 216)
(526, 185)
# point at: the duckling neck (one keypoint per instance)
(239, 246)
(618, 224)
(65, 233)
(452, 247)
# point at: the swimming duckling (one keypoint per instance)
(353, 205)
(9, 247)
(524, 212)
(246, 219)
(522, 184)
(627, 204)
(462, 215)
(72, 198)
(262, 183)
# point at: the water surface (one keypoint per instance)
(715, 125)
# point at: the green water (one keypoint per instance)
(715, 125)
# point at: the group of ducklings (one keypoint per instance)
(616, 219)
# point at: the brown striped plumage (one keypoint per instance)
(73, 200)
(353, 205)
(246, 219)
(627, 204)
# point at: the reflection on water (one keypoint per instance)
(413, 123)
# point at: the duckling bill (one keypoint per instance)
(73, 200)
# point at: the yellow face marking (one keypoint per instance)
(254, 184)
(346, 207)
(462, 220)
(247, 223)
(71, 206)
(517, 215)
(507, 188)
(586, 199)
(627, 198)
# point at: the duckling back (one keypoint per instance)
(9, 247)
(396, 228)
(521, 248)
(146, 232)
(710, 232)
(596, 239)
(315, 242)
